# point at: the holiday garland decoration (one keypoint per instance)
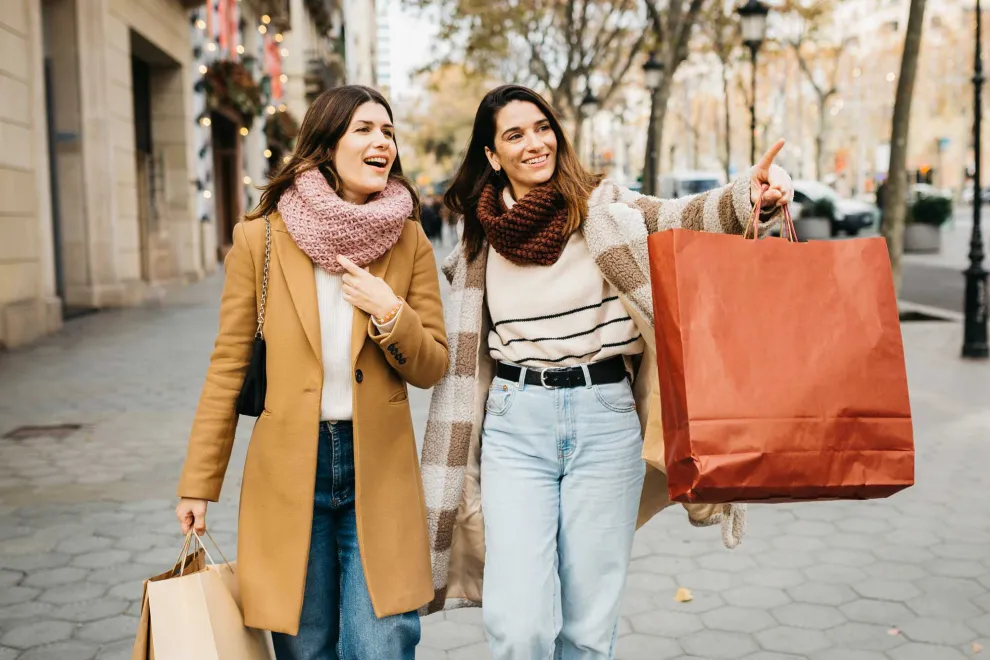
(228, 84)
(281, 130)
(236, 72)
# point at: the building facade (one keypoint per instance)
(134, 135)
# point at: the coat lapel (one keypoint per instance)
(359, 329)
(297, 268)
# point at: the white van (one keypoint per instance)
(686, 183)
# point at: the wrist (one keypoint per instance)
(385, 314)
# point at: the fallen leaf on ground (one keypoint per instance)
(977, 647)
(893, 631)
(683, 595)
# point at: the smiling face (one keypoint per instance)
(525, 147)
(365, 153)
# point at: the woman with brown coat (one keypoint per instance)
(333, 552)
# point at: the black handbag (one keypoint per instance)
(251, 400)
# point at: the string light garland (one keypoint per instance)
(219, 32)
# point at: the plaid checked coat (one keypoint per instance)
(616, 230)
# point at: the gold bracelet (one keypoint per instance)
(391, 315)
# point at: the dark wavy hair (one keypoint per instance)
(569, 178)
(325, 123)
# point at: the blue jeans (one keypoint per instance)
(561, 478)
(338, 621)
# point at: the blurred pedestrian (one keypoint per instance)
(431, 221)
(333, 554)
(541, 418)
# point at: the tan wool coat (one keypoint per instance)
(276, 508)
(616, 229)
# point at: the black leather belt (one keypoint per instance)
(612, 370)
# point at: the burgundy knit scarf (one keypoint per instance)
(323, 225)
(533, 232)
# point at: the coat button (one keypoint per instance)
(358, 376)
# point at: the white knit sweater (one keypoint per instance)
(336, 323)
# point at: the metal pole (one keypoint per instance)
(753, 47)
(977, 297)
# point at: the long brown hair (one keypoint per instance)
(569, 178)
(325, 123)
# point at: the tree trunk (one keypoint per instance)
(577, 135)
(663, 98)
(728, 122)
(820, 139)
(895, 191)
(652, 149)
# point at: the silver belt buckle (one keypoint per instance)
(543, 379)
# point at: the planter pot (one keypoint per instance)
(921, 238)
(813, 229)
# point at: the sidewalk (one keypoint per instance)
(85, 516)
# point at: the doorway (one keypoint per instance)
(227, 178)
(144, 159)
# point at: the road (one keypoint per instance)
(937, 280)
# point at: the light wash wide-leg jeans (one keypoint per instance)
(561, 478)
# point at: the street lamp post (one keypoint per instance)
(753, 23)
(977, 297)
(589, 108)
(653, 76)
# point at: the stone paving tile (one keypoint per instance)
(646, 647)
(784, 639)
(84, 519)
(718, 644)
(26, 635)
(61, 651)
(810, 617)
(738, 619)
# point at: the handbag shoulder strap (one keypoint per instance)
(264, 279)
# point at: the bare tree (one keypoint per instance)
(561, 47)
(895, 192)
(671, 27)
(721, 28)
(818, 49)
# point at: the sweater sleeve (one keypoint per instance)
(724, 210)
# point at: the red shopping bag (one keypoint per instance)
(781, 369)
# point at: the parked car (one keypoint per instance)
(967, 194)
(928, 190)
(686, 183)
(851, 215)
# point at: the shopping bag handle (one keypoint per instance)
(180, 564)
(788, 223)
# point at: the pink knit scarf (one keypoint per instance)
(323, 225)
